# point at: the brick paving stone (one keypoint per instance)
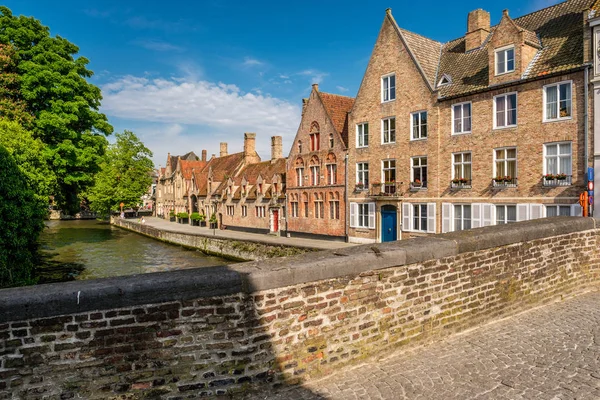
(552, 352)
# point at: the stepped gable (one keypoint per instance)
(337, 108)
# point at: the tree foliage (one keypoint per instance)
(52, 84)
(125, 175)
(22, 220)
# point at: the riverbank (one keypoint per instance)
(223, 243)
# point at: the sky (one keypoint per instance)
(187, 75)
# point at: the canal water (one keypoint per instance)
(92, 249)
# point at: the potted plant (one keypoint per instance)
(417, 183)
(183, 217)
(456, 181)
(195, 217)
(463, 181)
(360, 186)
(561, 177)
(549, 177)
(172, 215)
(203, 220)
(499, 179)
(508, 179)
(213, 221)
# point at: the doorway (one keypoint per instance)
(389, 223)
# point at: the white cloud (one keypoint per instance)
(342, 89)
(195, 114)
(157, 45)
(316, 76)
(251, 62)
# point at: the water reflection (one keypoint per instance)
(93, 249)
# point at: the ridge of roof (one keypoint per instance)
(337, 113)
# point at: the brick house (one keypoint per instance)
(316, 170)
(170, 185)
(488, 128)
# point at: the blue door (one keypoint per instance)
(388, 223)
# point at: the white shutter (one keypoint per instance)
(371, 215)
(476, 220)
(535, 211)
(446, 217)
(353, 214)
(406, 217)
(431, 218)
(487, 214)
(522, 212)
(576, 210)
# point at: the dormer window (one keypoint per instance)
(388, 88)
(446, 80)
(505, 60)
(260, 188)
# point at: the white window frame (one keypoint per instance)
(230, 210)
(358, 216)
(462, 163)
(420, 166)
(505, 49)
(574, 209)
(505, 206)
(360, 135)
(315, 175)
(557, 85)
(462, 132)
(389, 88)
(505, 160)
(260, 211)
(389, 132)
(462, 220)
(558, 156)
(408, 217)
(244, 211)
(300, 176)
(392, 169)
(420, 125)
(494, 119)
(360, 173)
(294, 207)
(331, 177)
(334, 209)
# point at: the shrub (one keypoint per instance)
(183, 215)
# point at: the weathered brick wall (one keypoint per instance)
(225, 330)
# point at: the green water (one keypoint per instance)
(92, 249)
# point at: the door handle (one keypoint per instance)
(390, 230)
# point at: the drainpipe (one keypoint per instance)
(285, 214)
(346, 205)
(586, 129)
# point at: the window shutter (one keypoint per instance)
(535, 211)
(353, 214)
(371, 215)
(476, 220)
(406, 210)
(576, 210)
(522, 212)
(487, 214)
(446, 217)
(431, 218)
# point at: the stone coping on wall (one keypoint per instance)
(50, 300)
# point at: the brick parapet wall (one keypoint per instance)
(226, 329)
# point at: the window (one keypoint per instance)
(294, 205)
(461, 166)
(418, 122)
(557, 158)
(315, 175)
(419, 172)
(318, 203)
(557, 101)
(315, 141)
(362, 135)
(389, 175)
(505, 165)
(419, 222)
(244, 211)
(299, 176)
(331, 140)
(334, 208)
(506, 214)
(230, 210)
(505, 110)
(462, 217)
(305, 201)
(260, 211)
(388, 130)
(299, 146)
(505, 60)
(362, 174)
(418, 217)
(363, 216)
(461, 117)
(558, 210)
(331, 174)
(388, 88)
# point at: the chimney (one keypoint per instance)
(315, 86)
(276, 148)
(223, 149)
(203, 155)
(250, 154)
(478, 28)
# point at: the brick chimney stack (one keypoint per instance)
(223, 149)
(276, 148)
(478, 29)
(315, 86)
(203, 155)
(250, 154)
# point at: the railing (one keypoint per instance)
(389, 189)
(416, 186)
(460, 184)
(504, 182)
(556, 180)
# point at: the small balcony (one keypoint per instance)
(550, 180)
(361, 187)
(460, 183)
(417, 185)
(503, 182)
(385, 189)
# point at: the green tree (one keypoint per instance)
(125, 175)
(22, 220)
(31, 156)
(53, 84)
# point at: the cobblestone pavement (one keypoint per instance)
(552, 352)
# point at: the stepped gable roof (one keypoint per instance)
(188, 166)
(338, 108)
(266, 169)
(556, 30)
(223, 167)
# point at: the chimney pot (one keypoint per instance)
(223, 152)
(249, 144)
(478, 28)
(276, 148)
(203, 155)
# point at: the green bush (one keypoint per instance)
(183, 215)
(172, 213)
(213, 218)
(195, 216)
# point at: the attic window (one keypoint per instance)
(505, 60)
(446, 80)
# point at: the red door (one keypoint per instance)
(275, 220)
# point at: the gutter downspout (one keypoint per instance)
(346, 209)
(586, 129)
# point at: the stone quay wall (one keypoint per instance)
(227, 330)
(241, 250)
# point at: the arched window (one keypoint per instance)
(331, 140)
(305, 204)
(315, 171)
(315, 136)
(300, 146)
(299, 172)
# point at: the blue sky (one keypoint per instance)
(186, 75)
